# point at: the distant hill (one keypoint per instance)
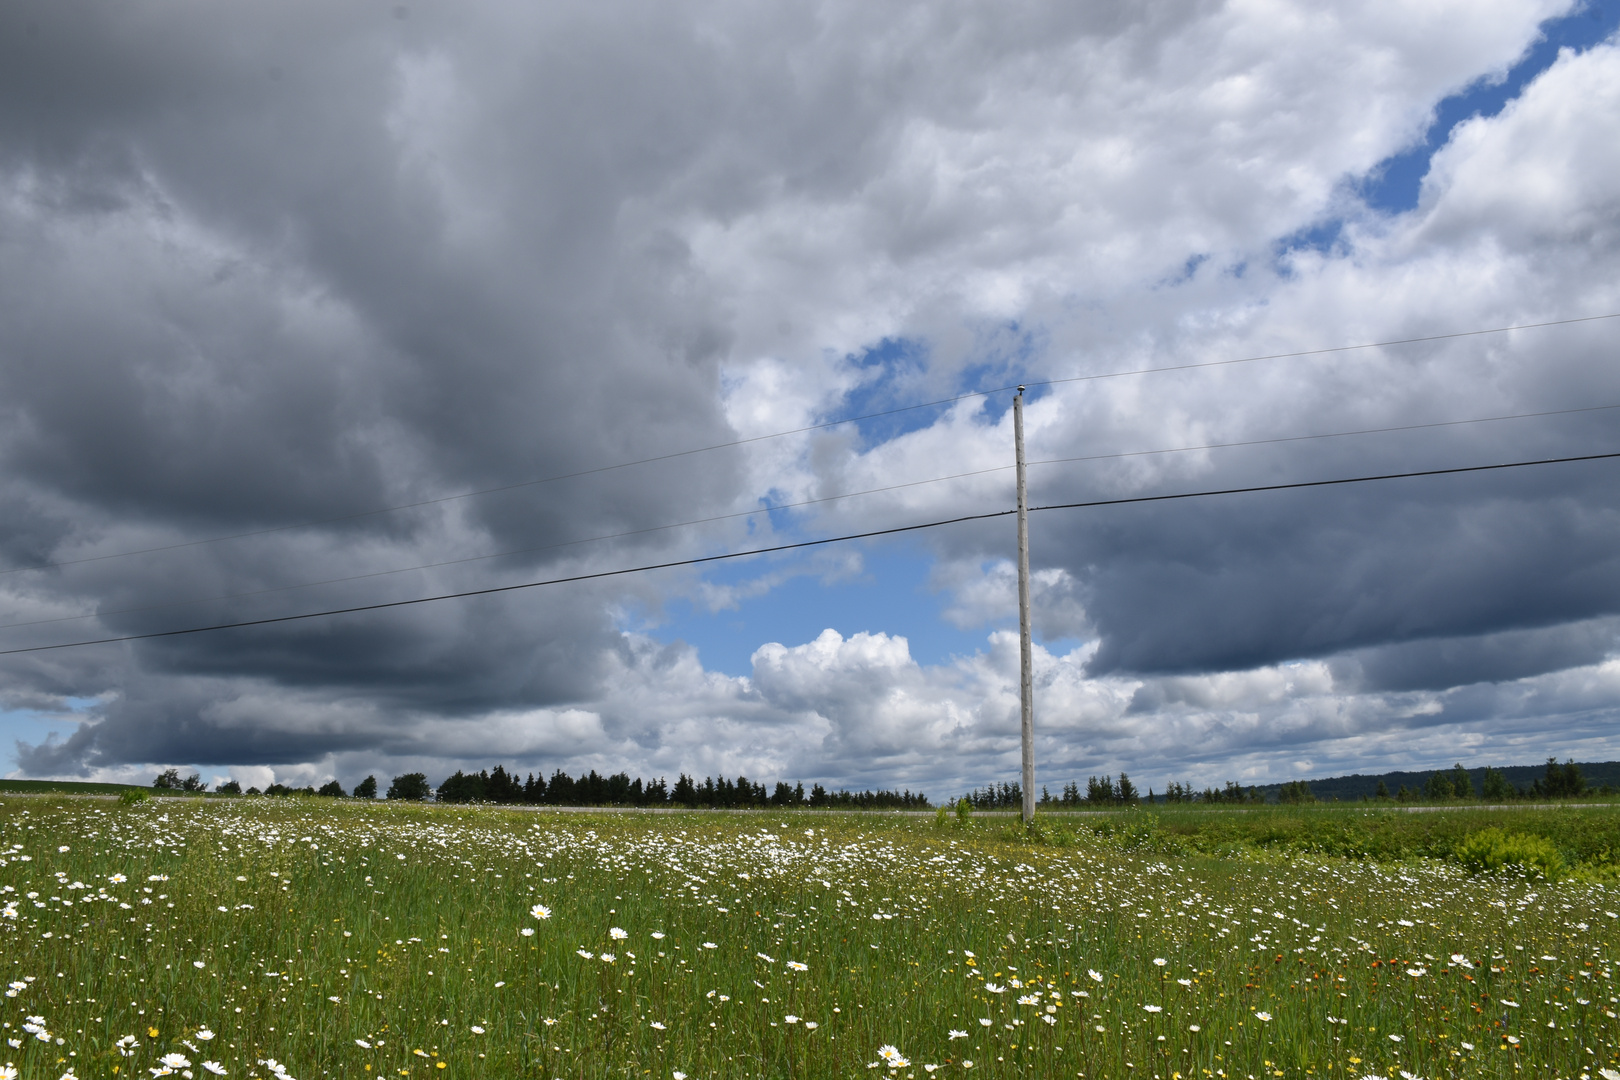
(1354, 787)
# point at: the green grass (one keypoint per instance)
(62, 787)
(76, 787)
(291, 928)
(1588, 837)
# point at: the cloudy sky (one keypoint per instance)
(308, 306)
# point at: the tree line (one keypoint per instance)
(1564, 781)
(1232, 794)
(592, 789)
(1455, 784)
(1560, 781)
(1106, 791)
(500, 787)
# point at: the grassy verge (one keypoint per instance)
(75, 787)
(1587, 837)
(60, 787)
(340, 938)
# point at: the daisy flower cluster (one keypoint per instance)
(294, 938)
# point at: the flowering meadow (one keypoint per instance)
(305, 938)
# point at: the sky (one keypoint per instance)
(307, 307)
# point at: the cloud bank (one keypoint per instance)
(266, 274)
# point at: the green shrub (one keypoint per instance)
(1496, 786)
(411, 787)
(1491, 851)
(1438, 787)
(133, 796)
(1295, 792)
(964, 809)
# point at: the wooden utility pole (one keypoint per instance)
(1026, 680)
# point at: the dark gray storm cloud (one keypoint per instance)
(1507, 656)
(1258, 579)
(258, 271)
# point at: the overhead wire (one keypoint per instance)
(1326, 435)
(1326, 351)
(802, 544)
(315, 523)
(463, 560)
(509, 552)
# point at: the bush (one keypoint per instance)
(1232, 793)
(366, 789)
(133, 797)
(412, 787)
(1295, 792)
(1561, 781)
(1438, 787)
(332, 788)
(169, 780)
(1106, 792)
(1492, 851)
(1496, 787)
(964, 809)
(1462, 786)
(228, 787)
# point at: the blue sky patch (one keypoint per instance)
(1188, 271)
(892, 369)
(890, 594)
(19, 725)
(1392, 186)
(899, 383)
(999, 375)
(1323, 236)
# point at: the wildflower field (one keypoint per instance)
(307, 937)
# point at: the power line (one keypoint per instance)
(783, 434)
(1298, 484)
(785, 506)
(504, 554)
(1326, 435)
(798, 545)
(1324, 352)
(595, 575)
